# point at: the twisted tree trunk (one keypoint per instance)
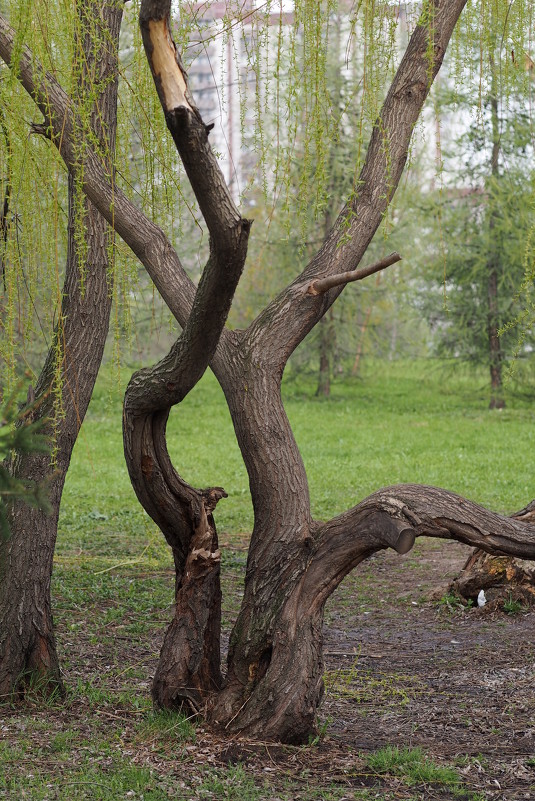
(273, 683)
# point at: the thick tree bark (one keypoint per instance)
(275, 644)
(501, 574)
(275, 679)
(249, 366)
(273, 684)
(27, 646)
(189, 667)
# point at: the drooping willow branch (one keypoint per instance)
(146, 239)
(4, 213)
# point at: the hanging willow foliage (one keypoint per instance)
(284, 57)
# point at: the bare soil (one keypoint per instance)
(457, 683)
(402, 669)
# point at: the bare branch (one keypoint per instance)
(146, 240)
(322, 285)
(184, 121)
(394, 516)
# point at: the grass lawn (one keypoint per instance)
(113, 584)
(399, 422)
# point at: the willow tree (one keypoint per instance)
(273, 681)
(59, 400)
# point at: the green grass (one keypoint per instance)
(113, 579)
(399, 422)
(413, 766)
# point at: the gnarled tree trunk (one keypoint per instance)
(273, 684)
(27, 645)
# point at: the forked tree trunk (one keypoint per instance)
(189, 667)
(27, 646)
(273, 684)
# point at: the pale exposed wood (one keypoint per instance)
(166, 69)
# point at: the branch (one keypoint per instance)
(171, 502)
(145, 239)
(184, 121)
(394, 516)
(289, 318)
(322, 285)
(229, 232)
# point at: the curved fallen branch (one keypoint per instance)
(286, 673)
(394, 516)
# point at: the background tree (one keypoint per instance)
(485, 212)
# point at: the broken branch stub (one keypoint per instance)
(322, 285)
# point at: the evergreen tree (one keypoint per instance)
(485, 218)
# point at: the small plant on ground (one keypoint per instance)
(413, 766)
(233, 784)
(512, 606)
(452, 603)
(170, 724)
(362, 685)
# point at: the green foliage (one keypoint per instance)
(453, 603)
(512, 606)
(413, 765)
(480, 223)
(473, 245)
(166, 724)
(19, 433)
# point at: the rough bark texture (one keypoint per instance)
(189, 667)
(502, 575)
(273, 684)
(27, 647)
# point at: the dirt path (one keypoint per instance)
(406, 671)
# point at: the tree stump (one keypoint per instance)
(504, 579)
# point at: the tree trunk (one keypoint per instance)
(27, 647)
(327, 345)
(189, 667)
(493, 262)
(273, 684)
